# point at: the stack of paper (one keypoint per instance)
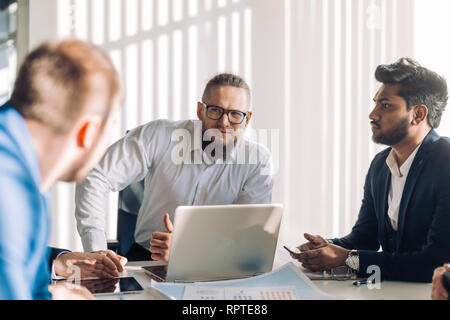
(285, 283)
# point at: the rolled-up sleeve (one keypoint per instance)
(127, 161)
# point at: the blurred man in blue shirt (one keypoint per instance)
(55, 128)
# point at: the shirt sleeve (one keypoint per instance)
(17, 232)
(43, 281)
(127, 161)
(258, 185)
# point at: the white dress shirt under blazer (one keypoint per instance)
(148, 152)
(398, 180)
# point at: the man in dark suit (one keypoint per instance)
(406, 203)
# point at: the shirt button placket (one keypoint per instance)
(198, 199)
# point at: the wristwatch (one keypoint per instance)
(352, 260)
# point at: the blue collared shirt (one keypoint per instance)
(24, 219)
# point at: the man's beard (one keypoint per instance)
(395, 135)
(223, 148)
(217, 146)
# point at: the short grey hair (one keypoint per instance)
(225, 79)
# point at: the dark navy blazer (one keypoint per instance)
(422, 241)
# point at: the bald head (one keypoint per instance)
(58, 81)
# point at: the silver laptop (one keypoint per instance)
(221, 242)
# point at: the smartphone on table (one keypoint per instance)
(100, 287)
(292, 250)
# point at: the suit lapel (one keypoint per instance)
(384, 185)
(414, 173)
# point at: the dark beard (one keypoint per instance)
(225, 152)
(395, 135)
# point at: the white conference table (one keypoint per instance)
(342, 290)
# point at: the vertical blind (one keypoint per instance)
(332, 50)
(310, 64)
(165, 50)
(8, 44)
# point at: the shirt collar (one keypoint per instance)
(403, 171)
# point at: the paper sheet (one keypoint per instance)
(236, 293)
(287, 276)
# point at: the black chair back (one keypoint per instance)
(130, 200)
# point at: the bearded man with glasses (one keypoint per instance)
(205, 162)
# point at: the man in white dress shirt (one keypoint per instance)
(206, 162)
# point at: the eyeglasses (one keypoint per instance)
(216, 113)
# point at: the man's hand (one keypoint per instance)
(160, 243)
(118, 260)
(314, 242)
(100, 264)
(324, 258)
(438, 291)
(68, 291)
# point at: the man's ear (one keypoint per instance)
(248, 117)
(88, 132)
(199, 110)
(419, 114)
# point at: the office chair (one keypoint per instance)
(130, 200)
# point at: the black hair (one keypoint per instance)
(418, 85)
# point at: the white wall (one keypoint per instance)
(431, 48)
(43, 21)
(43, 25)
(333, 48)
